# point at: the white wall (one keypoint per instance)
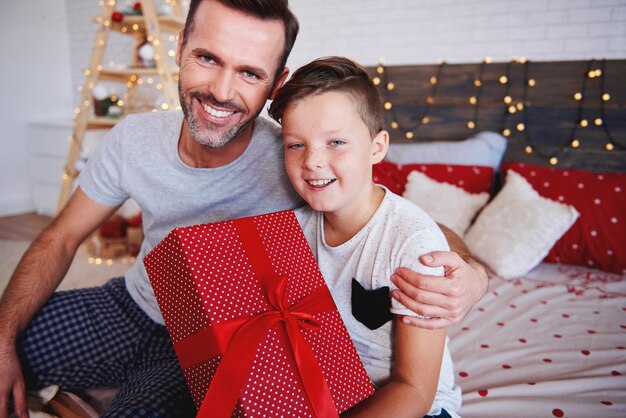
(35, 85)
(425, 31)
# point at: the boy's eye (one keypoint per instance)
(337, 142)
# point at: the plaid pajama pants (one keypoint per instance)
(99, 337)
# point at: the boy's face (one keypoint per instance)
(329, 152)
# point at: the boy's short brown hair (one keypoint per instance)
(332, 74)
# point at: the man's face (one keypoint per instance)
(227, 71)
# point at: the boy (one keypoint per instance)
(360, 233)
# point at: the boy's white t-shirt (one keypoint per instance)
(396, 235)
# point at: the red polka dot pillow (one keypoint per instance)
(473, 179)
(597, 238)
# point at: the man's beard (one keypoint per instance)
(201, 130)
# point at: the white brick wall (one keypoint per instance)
(425, 31)
(420, 31)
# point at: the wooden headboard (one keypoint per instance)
(535, 104)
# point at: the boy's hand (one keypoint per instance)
(445, 300)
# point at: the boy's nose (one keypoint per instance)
(314, 158)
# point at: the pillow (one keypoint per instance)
(516, 230)
(597, 238)
(483, 149)
(473, 179)
(445, 203)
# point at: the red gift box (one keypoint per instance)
(252, 321)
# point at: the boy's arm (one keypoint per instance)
(413, 384)
(445, 301)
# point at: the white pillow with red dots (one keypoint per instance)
(517, 229)
(597, 238)
(445, 203)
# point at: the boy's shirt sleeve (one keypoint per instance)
(416, 245)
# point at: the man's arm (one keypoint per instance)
(37, 275)
(447, 301)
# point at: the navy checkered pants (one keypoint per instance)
(99, 337)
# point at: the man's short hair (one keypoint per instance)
(262, 9)
(332, 74)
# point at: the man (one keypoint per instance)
(219, 162)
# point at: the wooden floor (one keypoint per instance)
(22, 227)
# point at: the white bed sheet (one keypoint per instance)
(550, 344)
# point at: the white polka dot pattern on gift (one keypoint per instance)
(201, 276)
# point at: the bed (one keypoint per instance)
(543, 204)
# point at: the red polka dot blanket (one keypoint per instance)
(551, 343)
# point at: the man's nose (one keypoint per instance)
(222, 88)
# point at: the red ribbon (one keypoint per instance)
(238, 339)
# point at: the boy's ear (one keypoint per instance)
(279, 82)
(179, 48)
(380, 143)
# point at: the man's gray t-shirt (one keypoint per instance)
(139, 159)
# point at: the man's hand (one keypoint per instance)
(445, 300)
(12, 388)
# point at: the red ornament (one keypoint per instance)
(117, 17)
(137, 6)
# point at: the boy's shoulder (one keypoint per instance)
(405, 220)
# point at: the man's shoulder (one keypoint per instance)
(267, 128)
(153, 120)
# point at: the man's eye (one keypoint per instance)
(206, 58)
(250, 75)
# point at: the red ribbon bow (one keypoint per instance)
(238, 339)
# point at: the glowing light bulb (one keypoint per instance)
(503, 79)
(606, 97)
(528, 149)
(553, 161)
(394, 125)
(409, 135)
(575, 143)
(471, 124)
(598, 121)
(425, 120)
(507, 99)
(376, 81)
(506, 132)
(532, 82)
(578, 96)
(520, 127)
(390, 86)
(512, 109)
(388, 105)
(584, 123)
(473, 100)
(477, 83)
(433, 80)
(609, 147)
(380, 69)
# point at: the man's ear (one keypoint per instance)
(279, 82)
(380, 143)
(179, 50)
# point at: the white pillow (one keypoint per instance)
(445, 203)
(518, 228)
(483, 149)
